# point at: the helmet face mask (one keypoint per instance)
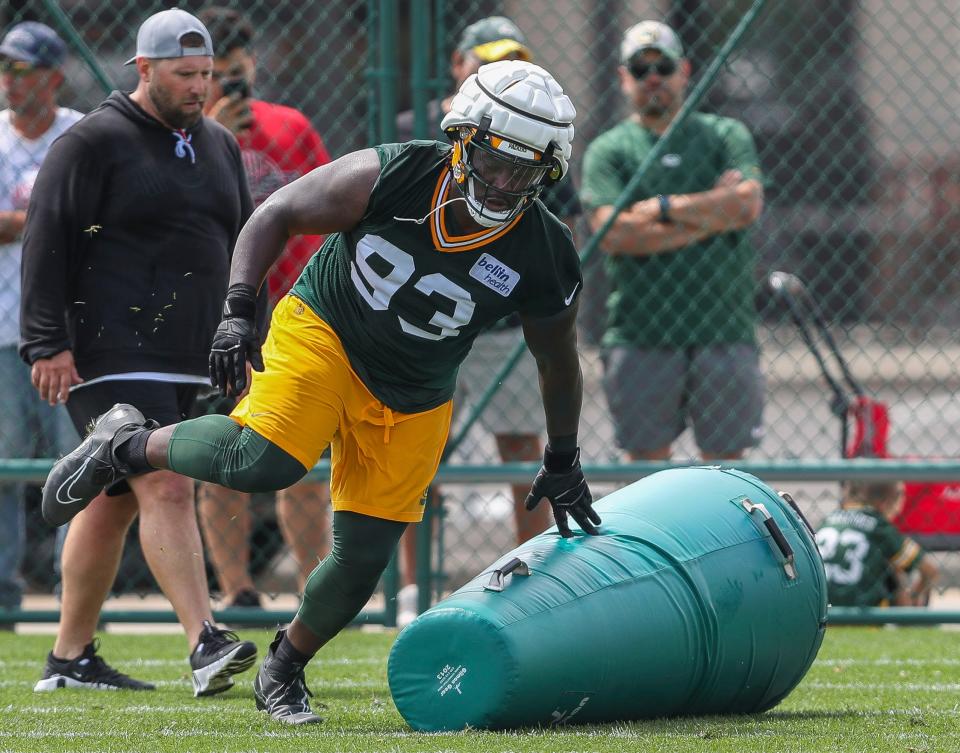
(498, 178)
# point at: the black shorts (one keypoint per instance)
(164, 402)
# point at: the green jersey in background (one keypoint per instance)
(862, 551)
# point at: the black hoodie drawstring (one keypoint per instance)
(183, 145)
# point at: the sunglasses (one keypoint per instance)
(663, 67)
(17, 67)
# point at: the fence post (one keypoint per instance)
(372, 73)
(68, 30)
(420, 67)
(389, 74)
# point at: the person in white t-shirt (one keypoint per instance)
(31, 58)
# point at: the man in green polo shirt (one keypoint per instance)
(679, 345)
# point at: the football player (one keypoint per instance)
(429, 244)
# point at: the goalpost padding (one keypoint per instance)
(687, 604)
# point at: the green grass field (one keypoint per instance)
(870, 690)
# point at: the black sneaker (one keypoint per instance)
(281, 689)
(86, 671)
(219, 655)
(81, 475)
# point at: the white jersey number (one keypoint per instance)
(853, 547)
(378, 290)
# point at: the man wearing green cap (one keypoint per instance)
(679, 345)
(485, 41)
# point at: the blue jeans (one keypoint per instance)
(29, 428)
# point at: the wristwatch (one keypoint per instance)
(664, 207)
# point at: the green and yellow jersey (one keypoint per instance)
(862, 552)
(407, 292)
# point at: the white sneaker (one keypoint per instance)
(407, 605)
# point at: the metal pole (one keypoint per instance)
(793, 469)
(420, 67)
(389, 73)
(73, 37)
(441, 62)
(372, 73)
(265, 617)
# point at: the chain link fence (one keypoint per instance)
(851, 105)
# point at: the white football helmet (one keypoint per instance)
(511, 126)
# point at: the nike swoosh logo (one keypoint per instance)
(566, 301)
(67, 486)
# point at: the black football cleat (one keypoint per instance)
(88, 671)
(81, 475)
(219, 655)
(281, 689)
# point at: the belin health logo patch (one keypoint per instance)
(495, 275)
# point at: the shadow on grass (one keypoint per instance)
(695, 724)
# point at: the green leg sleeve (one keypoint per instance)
(216, 448)
(339, 587)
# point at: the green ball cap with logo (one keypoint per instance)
(494, 38)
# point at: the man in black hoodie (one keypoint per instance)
(126, 256)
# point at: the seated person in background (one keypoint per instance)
(868, 562)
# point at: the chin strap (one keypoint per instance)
(431, 212)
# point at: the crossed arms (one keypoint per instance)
(732, 204)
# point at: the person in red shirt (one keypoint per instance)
(278, 145)
(277, 142)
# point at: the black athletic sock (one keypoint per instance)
(288, 654)
(132, 451)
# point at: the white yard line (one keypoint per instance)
(38, 663)
(887, 662)
(199, 708)
(315, 682)
(913, 686)
(292, 733)
(31, 683)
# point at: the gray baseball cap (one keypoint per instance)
(159, 36)
(650, 35)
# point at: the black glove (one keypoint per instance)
(236, 341)
(561, 481)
